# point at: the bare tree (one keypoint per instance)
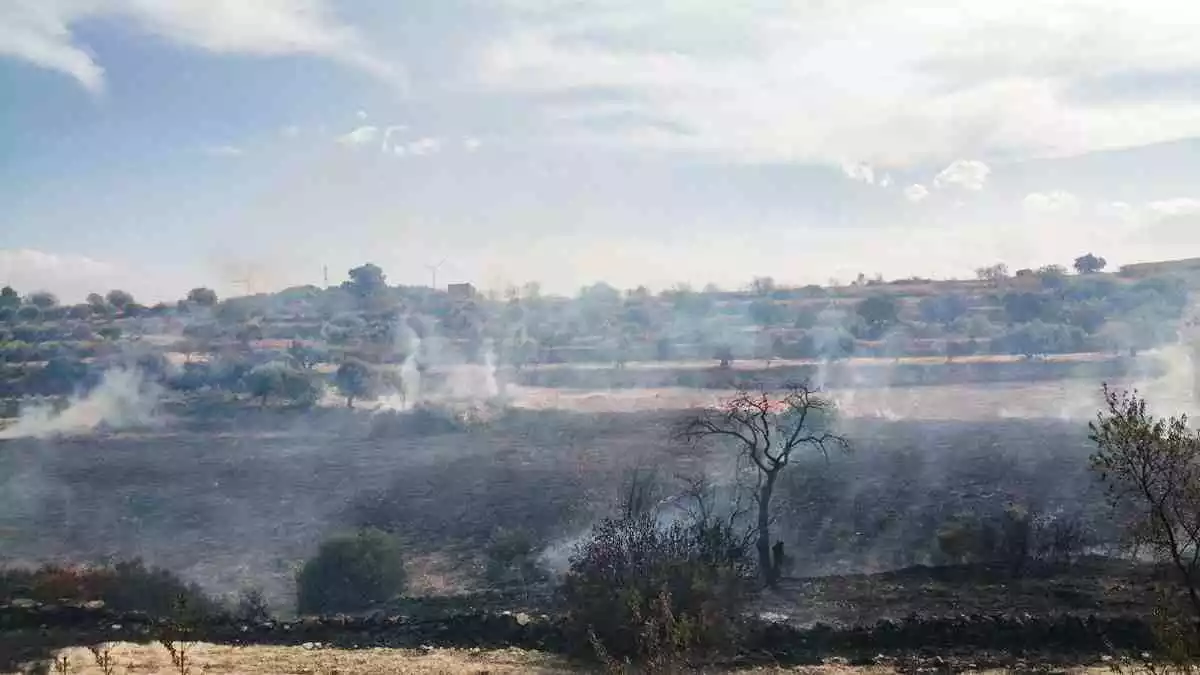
(767, 430)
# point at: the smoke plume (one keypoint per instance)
(123, 399)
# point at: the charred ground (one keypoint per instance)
(240, 501)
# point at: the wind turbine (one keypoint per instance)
(433, 270)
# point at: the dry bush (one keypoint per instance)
(658, 597)
(1017, 538)
(252, 606)
(124, 586)
(512, 558)
(103, 656)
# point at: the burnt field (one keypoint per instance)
(232, 502)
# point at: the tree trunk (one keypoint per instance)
(766, 569)
(350, 402)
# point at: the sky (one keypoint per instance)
(158, 145)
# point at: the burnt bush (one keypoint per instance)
(512, 559)
(123, 586)
(252, 606)
(351, 573)
(656, 596)
(1016, 538)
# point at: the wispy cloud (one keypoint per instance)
(40, 32)
(359, 136)
(223, 151)
(891, 83)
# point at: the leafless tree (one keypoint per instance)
(767, 429)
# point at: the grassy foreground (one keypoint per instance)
(153, 659)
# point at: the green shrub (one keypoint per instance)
(351, 573)
(301, 387)
(658, 597)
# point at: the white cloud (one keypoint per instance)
(39, 31)
(1056, 203)
(471, 144)
(361, 114)
(886, 181)
(968, 174)
(69, 276)
(290, 131)
(1180, 206)
(861, 171)
(425, 146)
(223, 151)
(890, 82)
(916, 193)
(359, 136)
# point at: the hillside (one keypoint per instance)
(50, 349)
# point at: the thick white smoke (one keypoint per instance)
(123, 399)
(434, 371)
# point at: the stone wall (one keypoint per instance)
(836, 375)
(35, 626)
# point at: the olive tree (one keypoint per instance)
(119, 299)
(1151, 467)
(768, 430)
(354, 379)
(204, 297)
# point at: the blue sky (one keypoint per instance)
(155, 145)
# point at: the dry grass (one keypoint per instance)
(216, 659)
(153, 659)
